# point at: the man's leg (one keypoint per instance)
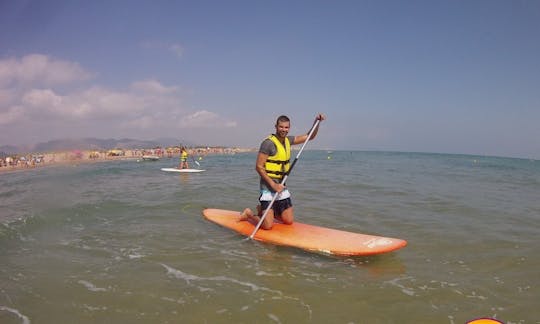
(269, 218)
(287, 216)
(247, 215)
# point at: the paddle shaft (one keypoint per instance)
(194, 160)
(284, 179)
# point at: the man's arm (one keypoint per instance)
(302, 138)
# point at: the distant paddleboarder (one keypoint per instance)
(183, 159)
(273, 163)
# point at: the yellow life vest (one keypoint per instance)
(184, 156)
(278, 165)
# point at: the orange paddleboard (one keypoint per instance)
(308, 237)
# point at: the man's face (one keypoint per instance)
(282, 129)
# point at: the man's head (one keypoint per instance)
(283, 124)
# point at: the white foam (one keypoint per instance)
(189, 278)
(24, 319)
(135, 256)
(264, 273)
(406, 290)
(90, 286)
(273, 317)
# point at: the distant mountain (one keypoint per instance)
(167, 141)
(91, 144)
(8, 149)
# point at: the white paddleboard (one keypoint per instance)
(182, 170)
(150, 157)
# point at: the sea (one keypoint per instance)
(124, 242)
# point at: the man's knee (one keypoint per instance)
(287, 217)
(287, 221)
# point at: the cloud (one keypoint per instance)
(38, 69)
(37, 91)
(6, 97)
(152, 86)
(92, 103)
(42, 98)
(205, 119)
(11, 115)
(142, 122)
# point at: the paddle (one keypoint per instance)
(192, 158)
(285, 178)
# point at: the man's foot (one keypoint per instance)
(245, 215)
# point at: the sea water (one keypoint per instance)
(123, 242)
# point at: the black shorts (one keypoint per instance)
(278, 207)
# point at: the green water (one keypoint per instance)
(123, 242)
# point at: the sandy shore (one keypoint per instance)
(38, 160)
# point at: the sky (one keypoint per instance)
(415, 76)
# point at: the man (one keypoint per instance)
(273, 163)
(183, 159)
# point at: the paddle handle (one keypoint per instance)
(285, 178)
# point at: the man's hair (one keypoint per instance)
(282, 119)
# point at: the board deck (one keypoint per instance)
(182, 170)
(308, 237)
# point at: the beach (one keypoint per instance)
(124, 242)
(19, 162)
